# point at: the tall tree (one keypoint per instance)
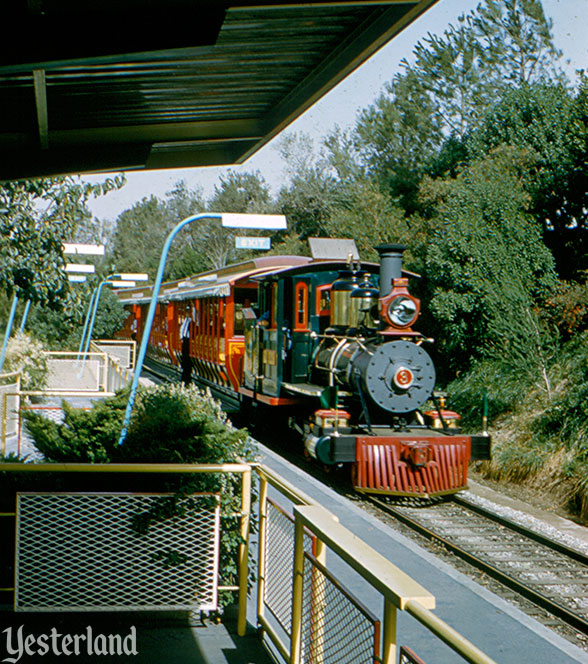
(550, 123)
(139, 237)
(246, 193)
(445, 90)
(312, 190)
(517, 42)
(187, 256)
(487, 269)
(398, 136)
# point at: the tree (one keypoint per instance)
(487, 270)
(369, 217)
(550, 123)
(246, 193)
(444, 92)
(187, 256)
(313, 187)
(36, 218)
(398, 136)
(139, 237)
(516, 42)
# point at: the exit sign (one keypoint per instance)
(253, 242)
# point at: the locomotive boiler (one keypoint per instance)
(329, 346)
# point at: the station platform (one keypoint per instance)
(499, 629)
(169, 638)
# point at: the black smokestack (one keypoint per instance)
(390, 265)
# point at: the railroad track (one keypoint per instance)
(547, 573)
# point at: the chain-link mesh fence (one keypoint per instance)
(68, 372)
(336, 627)
(122, 351)
(82, 552)
(279, 561)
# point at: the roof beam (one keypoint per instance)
(41, 103)
(169, 132)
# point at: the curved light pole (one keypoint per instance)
(266, 221)
(113, 282)
(120, 279)
(87, 321)
(25, 314)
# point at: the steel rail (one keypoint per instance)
(569, 617)
(568, 551)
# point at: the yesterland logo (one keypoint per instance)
(17, 644)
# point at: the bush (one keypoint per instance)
(542, 437)
(501, 384)
(170, 424)
(25, 356)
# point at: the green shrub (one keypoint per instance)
(170, 424)
(503, 386)
(567, 414)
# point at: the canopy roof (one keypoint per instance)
(108, 85)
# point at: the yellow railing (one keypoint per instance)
(9, 389)
(107, 375)
(96, 373)
(399, 591)
(244, 470)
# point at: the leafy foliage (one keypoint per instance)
(308, 199)
(550, 124)
(25, 355)
(487, 267)
(37, 217)
(139, 237)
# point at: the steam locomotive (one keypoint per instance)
(330, 346)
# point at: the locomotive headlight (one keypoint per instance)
(402, 311)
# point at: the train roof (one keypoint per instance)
(317, 265)
(214, 282)
(219, 282)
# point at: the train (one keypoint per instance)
(327, 347)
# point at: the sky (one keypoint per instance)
(342, 105)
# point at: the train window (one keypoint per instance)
(323, 300)
(301, 304)
(274, 307)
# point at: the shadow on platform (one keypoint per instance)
(140, 637)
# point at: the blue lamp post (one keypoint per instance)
(274, 222)
(120, 279)
(25, 314)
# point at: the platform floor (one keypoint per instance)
(159, 637)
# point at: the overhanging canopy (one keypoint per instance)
(108, 85)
